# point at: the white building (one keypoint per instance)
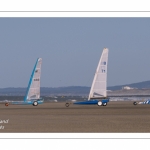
(127, 88)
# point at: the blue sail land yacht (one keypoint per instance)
(32, 96)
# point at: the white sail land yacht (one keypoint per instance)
(98, 92)
(32, 96)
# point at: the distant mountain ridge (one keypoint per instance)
(139, 85)
(70, 90)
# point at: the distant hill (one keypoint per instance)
(70, 90)
(139, 85)
(47, 91)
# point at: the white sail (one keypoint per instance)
(99, 85)
(33, 91)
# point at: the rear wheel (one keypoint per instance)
(67, 104)
(6, 104)
(134, 103)
(99, 103)
(104, 104)
(35, 103)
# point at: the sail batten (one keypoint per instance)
(98, 88)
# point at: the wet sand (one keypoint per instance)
(116, 117)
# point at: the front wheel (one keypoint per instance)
(134, 103)
(35, 103)
(67, 104)
(6, 104)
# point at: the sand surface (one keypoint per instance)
(116, 117)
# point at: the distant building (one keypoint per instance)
(127, 88)
(109, 90)
(73, 100)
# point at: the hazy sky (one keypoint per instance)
(71, 48)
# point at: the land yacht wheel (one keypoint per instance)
(67, 104)
(99, 103)
(6, 104)
(35, 103)
(134, 103)
(104, 104)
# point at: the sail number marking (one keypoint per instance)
(103, 70)
(36, 79)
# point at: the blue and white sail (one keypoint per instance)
(99, 85)
(32, 96)
(33, 90)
